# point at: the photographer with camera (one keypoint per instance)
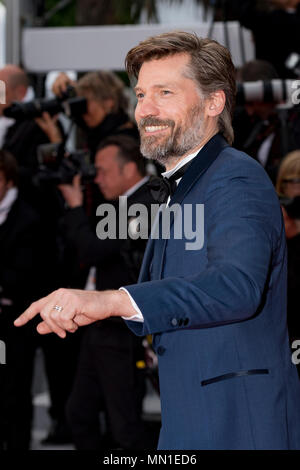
(263, 129)
(106, 106)
(288, 189)
(32, 127)
(23, 136)
(97, 104)
(107, 376)
(22, 139)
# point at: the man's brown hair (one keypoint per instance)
(210, 67)
(129, 151)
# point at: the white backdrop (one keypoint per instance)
(105, 47)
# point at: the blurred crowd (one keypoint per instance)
(48, 201)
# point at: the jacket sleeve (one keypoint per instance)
(244, 229)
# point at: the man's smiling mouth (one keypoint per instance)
(150, 129)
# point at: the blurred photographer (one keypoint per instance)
(22, 137)
(97, 104)
(107, 376)
(288, 189)
(263, 129)
(106, 109)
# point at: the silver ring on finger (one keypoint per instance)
(58, 308)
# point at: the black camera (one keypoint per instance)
(70, 104)
(56, 166)
(292, 206)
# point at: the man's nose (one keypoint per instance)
(147, 107)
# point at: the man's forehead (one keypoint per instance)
(171, 66)
(162, 85)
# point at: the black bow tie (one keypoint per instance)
(161, 187)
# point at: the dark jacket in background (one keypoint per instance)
(276, 33)
(114, 123)
(20, 267)
(293, 311)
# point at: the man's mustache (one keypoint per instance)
(151, 121)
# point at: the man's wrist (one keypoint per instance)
(121, 305)
(55, 136)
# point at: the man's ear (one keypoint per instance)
(215, 103)
(129, 169)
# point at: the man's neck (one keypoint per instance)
(135, 185)
(172, 162)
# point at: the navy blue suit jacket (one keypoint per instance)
(218, 314)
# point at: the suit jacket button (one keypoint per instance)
(160, 350)
(186, 321)
(174, 322)
(180, 322)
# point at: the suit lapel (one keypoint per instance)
(148, 255)
(155, 249)
(200, 164)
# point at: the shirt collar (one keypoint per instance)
(7, 202)
(136, 186)
(167, 174)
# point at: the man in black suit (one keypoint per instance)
(20, 267)
(107, 377)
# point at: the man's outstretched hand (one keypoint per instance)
(66, 309)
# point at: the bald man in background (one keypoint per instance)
(16, 89)
(21, 138)
(16, 82)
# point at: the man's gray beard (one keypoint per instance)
(178, 144)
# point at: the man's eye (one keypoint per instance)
(166, 92)
(140, 96)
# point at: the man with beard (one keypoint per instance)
(217, 313)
